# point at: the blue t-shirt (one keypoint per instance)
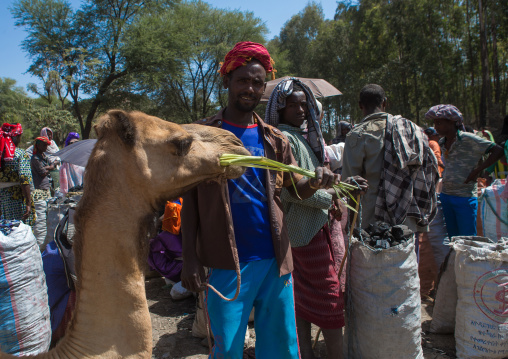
(249, 203)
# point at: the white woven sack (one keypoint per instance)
(25, 326)
(494, 211)
(443, 314)
(481, 328)
(39, 227)
(384, 310)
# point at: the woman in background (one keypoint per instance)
(71, 176)
(15, 177)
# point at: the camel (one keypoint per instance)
(138, 163)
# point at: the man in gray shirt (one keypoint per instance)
(365, 156)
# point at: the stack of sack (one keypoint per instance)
(472, 298)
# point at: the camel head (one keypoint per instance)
(160, 159)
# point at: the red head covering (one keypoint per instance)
(7, 147)
(42, 139)
(244, 52)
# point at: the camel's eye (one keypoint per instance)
(181, 145)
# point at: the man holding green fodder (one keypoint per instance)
(240, 224)
(318, 296)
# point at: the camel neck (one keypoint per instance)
(111, 304)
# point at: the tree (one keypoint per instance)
(84, 47)
(12, 100)
(181, 48)
(33, 114)
(297, 35)
(38, 116)
(435, 61)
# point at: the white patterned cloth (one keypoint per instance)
(277, 102)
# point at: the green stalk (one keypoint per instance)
(342, 189)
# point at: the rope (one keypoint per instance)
(207, 321)
(225, 198)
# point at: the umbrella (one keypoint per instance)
(320, 87)
(77, 153)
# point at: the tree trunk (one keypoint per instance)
(495, 63)
(417, 99)
(472, 89)
(98, 99)
(486, 96)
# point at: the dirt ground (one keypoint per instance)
(172, 327)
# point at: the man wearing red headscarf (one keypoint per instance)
(243, 53)
(240, 223)
(15, 177)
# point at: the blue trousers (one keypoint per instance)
(438, 235)
(274, 315)
(459, 214)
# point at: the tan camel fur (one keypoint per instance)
(138, 163)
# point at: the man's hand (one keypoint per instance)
(325, 178)
(27, 213)
(360, 182)
(472, 175)
(337, 210)
(193, 276)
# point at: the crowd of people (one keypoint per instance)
(26, 175)
(289, 246)
(285, 235)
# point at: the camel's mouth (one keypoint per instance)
(233, 172)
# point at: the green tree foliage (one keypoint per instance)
(33, 114)
(12, 100)
(182, 46)
(162, 56)
(297, 36)
(423, 52)
(85, 48)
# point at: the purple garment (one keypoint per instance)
(71, 136)
(165, 255)
(446, 112)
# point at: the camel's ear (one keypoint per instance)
(121, 122)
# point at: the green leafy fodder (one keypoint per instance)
(343, 190)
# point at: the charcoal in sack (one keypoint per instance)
(383, 304)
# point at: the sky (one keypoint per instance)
(275, 13)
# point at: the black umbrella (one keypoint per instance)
(77, 153)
